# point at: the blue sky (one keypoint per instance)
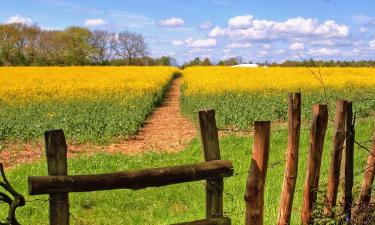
(256, 30)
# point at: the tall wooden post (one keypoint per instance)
(291, 166)
(368, 180)
(254, 194)
(317, 134)
(56, 151)
(210, 143)
(339, 135)
(348, 162)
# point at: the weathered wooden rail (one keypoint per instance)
(58, 184)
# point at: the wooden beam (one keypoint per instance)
(56, 151)
(135, 180)
(348, 162)
(339, 136)
(291, 164)
(317, 134)
(214, 221)
(210, 143)
(254, 194)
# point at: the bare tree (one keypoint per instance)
(129, 46)
(102, 50)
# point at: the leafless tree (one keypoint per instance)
(129, 46)
(102, 50)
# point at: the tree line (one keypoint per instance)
(29, 45)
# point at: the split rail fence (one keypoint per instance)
(58, 184)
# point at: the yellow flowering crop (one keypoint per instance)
(223, 79)
(38, 84)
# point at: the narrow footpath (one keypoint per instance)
(166, 130)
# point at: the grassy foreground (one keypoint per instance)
(182, 202)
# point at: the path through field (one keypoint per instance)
(166, 130)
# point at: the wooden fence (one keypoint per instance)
(341, 162)
(58, 184)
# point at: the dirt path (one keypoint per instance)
(166, 130)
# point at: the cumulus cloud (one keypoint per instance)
(325, 42)
(171, 22)
(363, 29)
(177, 43)
(196, 43)
(324, 52)
(239, 45)
(245, 27)
(201, 43)
(297, 46)
(94, 22)
(19, 19)
(205, 26)
(241, 22)
(372, 44)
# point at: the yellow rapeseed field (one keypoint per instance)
(91, 104)
(224, 79)
(38, 84)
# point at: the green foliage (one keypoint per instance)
(240, 109)
(83, 120)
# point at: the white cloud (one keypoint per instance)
(239, 45)
(94, 22)
(19, 19)
(201, 50)
(226, 51)
(201, 43)
(372, 44)
(177, 43)
(172, 22)
(245, 27)
(324, 52)
(325, 42)
(205, 26)
(217, 32)
(266, 46)
(297, 46)
(241, 22)
(363, 29)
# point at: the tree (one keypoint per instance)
(78, 47)
(102, 50)
(129, 46)
(206, 62)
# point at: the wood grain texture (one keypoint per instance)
(317, 134)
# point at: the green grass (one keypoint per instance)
(83, 120)
(240, 109)
(182, 202)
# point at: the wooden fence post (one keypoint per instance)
(254, 194)
(56, 151)
(291, 166)
(210, 143)
(365, 196)
(347, 162)
(317, 134)
(339, 135)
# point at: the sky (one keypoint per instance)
(256, 30)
